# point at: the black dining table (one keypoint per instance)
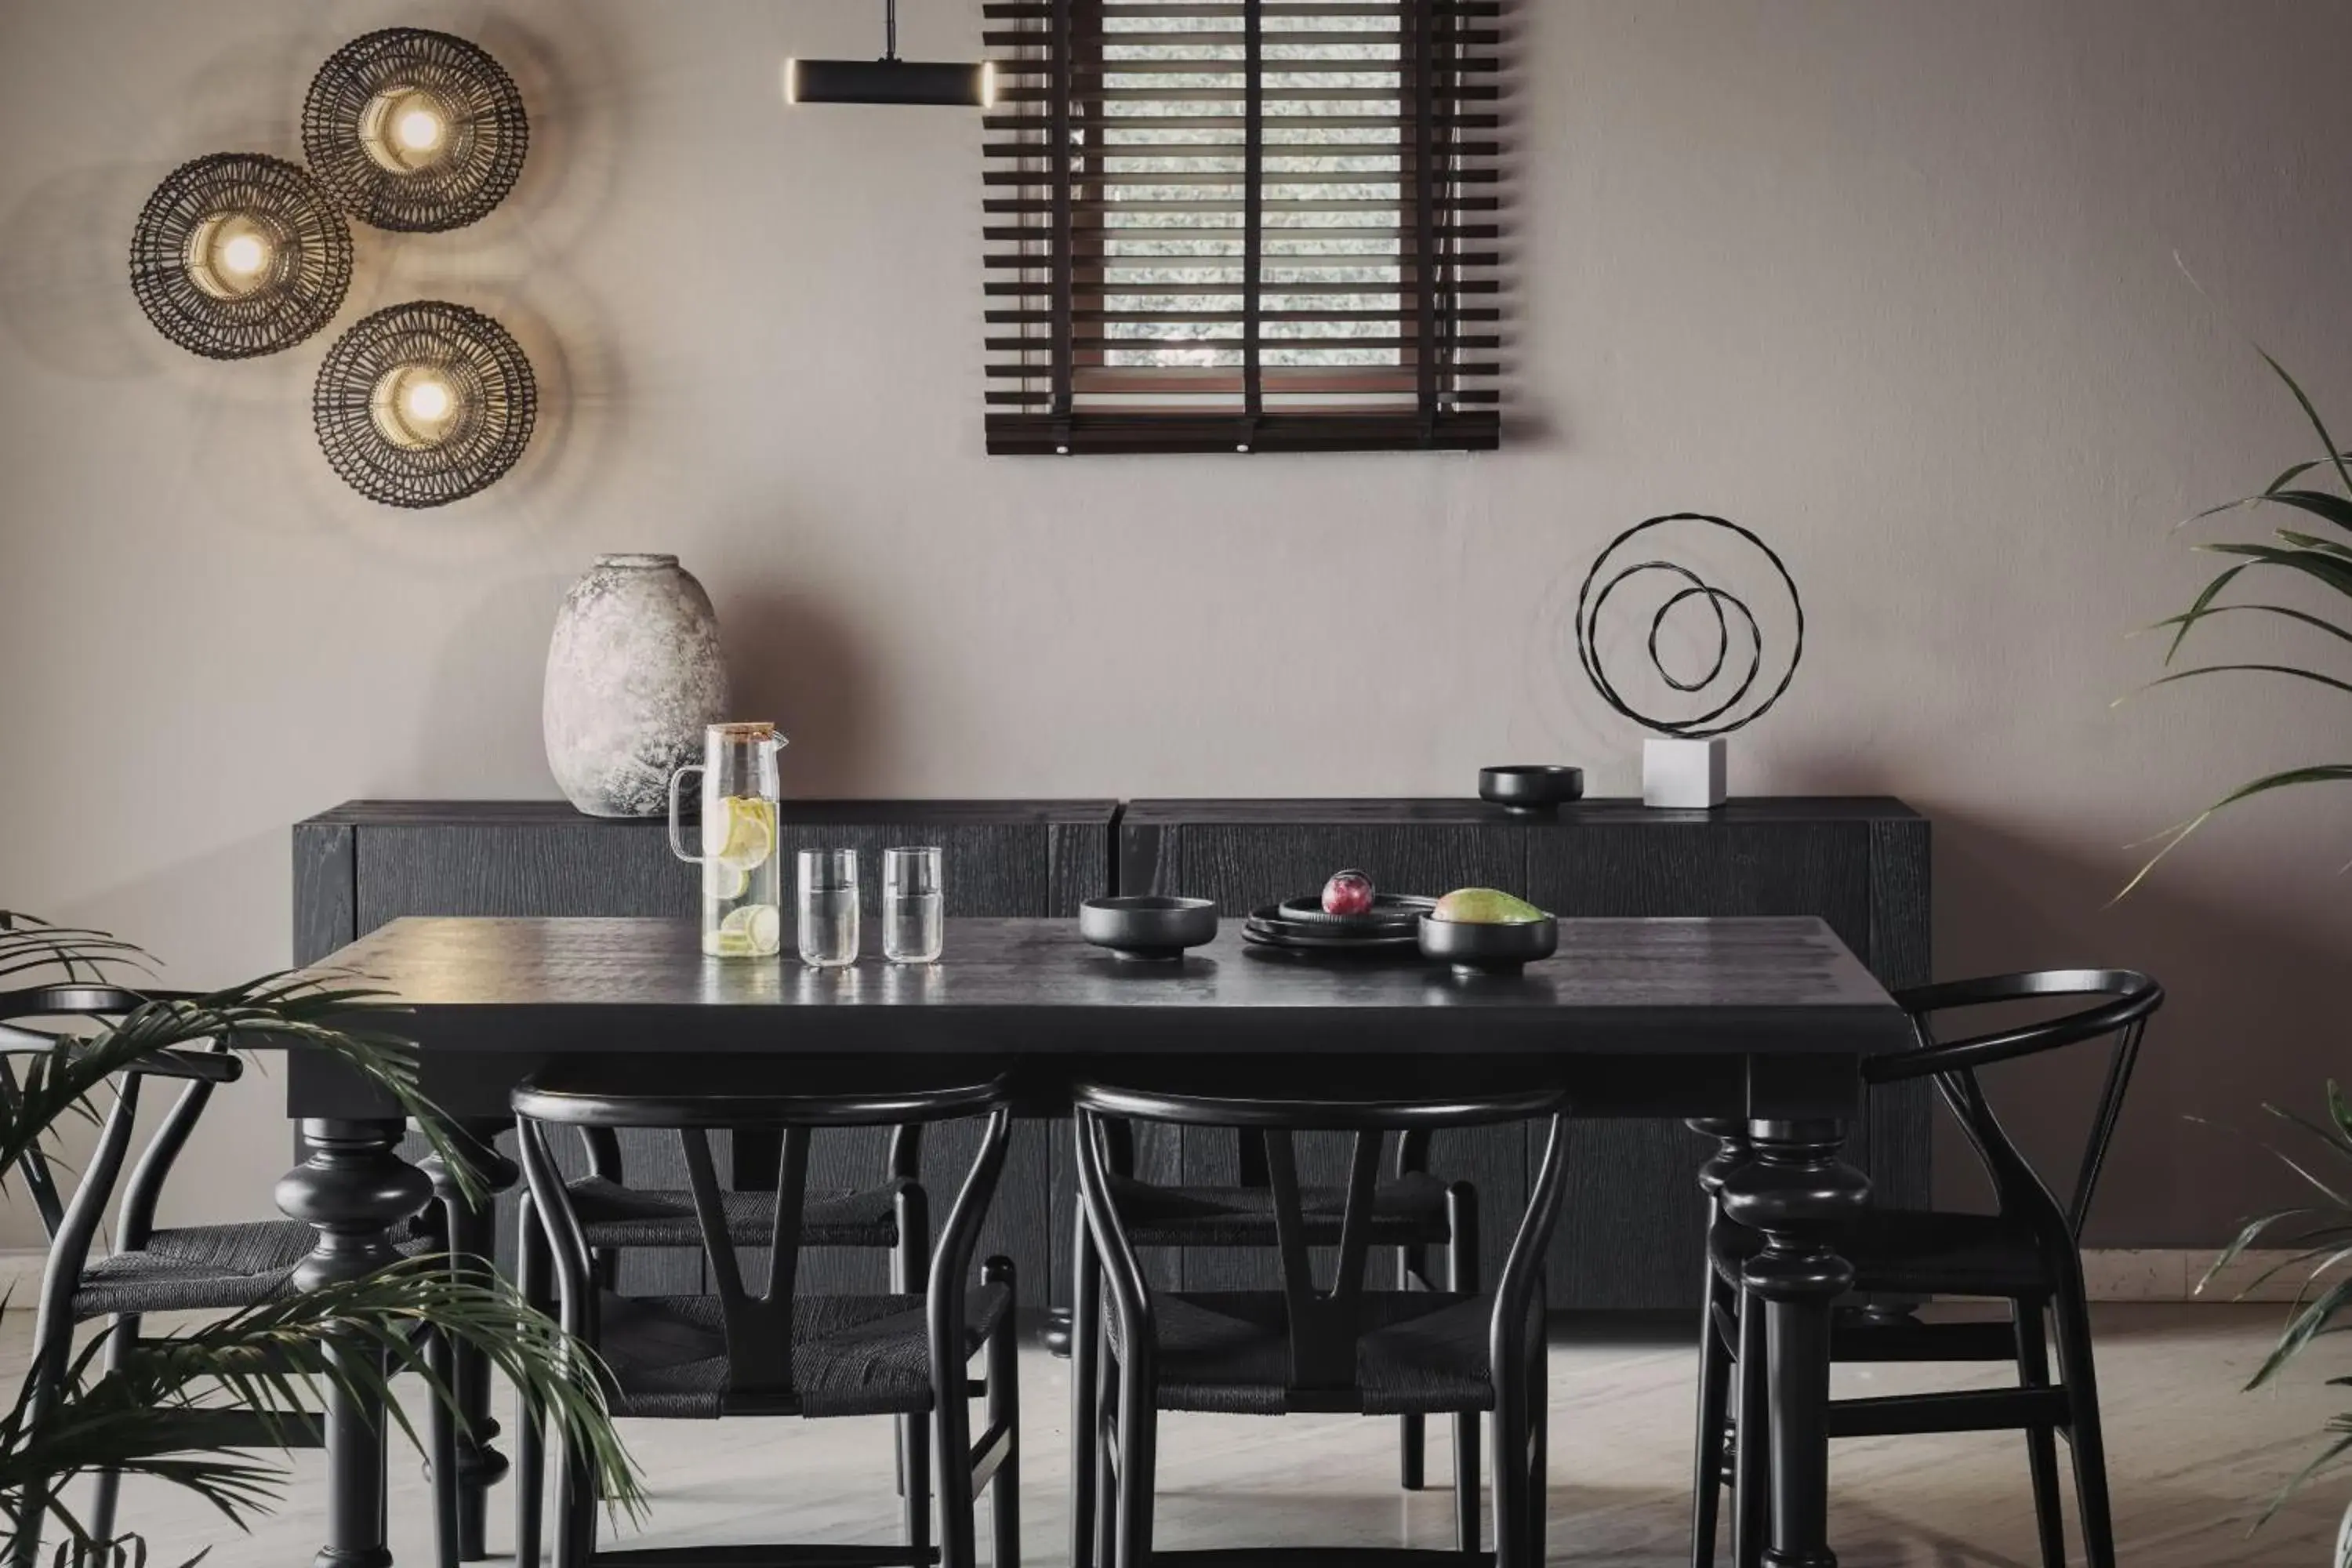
(1756, 1027)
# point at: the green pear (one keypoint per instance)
(1485, 906)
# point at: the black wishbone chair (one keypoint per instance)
(780, 1352)
(893, 1216)
(2027, 1253)
(1412, 1211)
(211, 1267)
(1304, 1347)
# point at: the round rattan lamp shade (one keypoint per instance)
(238, 254)
(424, 403)
(414, 130)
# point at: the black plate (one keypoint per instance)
(1272, 932)
(1388, 948)
(1388, 911)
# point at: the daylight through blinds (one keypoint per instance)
(1259, 224)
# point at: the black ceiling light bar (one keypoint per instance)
(890, 80)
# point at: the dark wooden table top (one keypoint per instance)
(1645, 986)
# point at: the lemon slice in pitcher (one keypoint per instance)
(722, 881)
(741, 834)
(760, 925)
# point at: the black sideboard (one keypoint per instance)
(1861, 865)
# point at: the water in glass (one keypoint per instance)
(828, 906)
(913, 929)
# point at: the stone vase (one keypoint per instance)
(634, 674)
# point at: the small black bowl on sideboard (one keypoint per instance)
(1530, 789)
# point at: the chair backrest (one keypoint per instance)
(2127, 1001)
(749, 1095)
(1323, 1324)
(31, 1024)
(28, 1020)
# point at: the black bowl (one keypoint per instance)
(1530, 789)
(1489, 947)
(1148, 925)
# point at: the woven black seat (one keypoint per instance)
(613, 1216)
(2027, 1253)
(210, 1267)
(1407, 1210)
(852, 1355)
(1228, 1351)
(1347, 1348)
(1919, 1252)
(771, 1350)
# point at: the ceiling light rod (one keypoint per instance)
(889, 80)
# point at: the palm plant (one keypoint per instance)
(2316, 1237)
(2323, 560)
(2317, 1234)
(98, 1411)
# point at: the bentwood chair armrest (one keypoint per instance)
(172, 1061)
(2130, 998)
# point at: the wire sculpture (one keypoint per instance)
(238, 254)
(414, 130)
(1723, 717)
(424, 403)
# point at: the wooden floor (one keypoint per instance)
(2193, 1459)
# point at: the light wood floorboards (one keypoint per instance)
(2193, 1461)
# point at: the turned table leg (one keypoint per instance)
(352, 1190)
(1798, 1192)
(472, 1234)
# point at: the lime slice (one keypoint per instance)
(741, 834)
(727, 945)
(721, 880)
(759, 924)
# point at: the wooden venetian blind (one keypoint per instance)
(1243, 224)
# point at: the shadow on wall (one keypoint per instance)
(488, 675)
(792, 658)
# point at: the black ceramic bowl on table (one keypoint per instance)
(1148, 925)
(1530, 789)
(1489, 947)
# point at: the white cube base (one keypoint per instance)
(1683, 773)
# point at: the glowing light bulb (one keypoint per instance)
(420, 131)
(427, 400)
(245, 253)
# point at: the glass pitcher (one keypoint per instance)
(742, 915)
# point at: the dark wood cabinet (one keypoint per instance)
(1630, 1237)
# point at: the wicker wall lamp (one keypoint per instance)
(414, 130)
(424, 403)
(239, 254)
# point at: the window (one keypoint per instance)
(1243, 224)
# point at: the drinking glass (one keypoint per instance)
(828, 907)
(912, 930)
(743, 908)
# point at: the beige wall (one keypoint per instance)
(1894, 282)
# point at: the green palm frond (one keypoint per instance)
(268, 1364)
(269, 1361)
(2317, 560)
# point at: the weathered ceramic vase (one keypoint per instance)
(634, 675)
